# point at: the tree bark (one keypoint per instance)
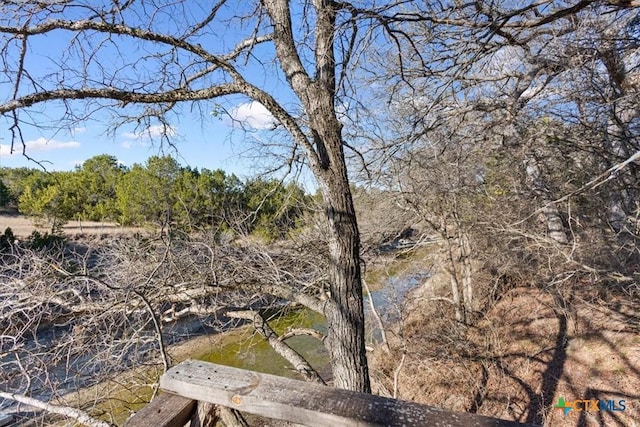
(344, 311)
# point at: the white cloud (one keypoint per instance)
(252, 115)
(5, 150)
(151, 132)
(35, 145)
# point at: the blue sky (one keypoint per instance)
(200, 139)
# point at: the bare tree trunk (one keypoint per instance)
(553, 219)
(452, 258)
(467, 274)
(455, 296)
(464, 260)
(455, 283)
(345, 310)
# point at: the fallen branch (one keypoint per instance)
(296, 332)
(76, 414)
(374, 311)
(299, 363)
(396, 375)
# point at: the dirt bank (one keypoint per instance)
(534, 347)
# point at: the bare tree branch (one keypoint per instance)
(66, 411)
(293, 357)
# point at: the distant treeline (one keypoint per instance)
(160, 192)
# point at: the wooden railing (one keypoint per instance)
(194, 382)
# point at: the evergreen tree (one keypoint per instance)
(53, 197)
(98, 180)
(272, 208)
(4, 194)
(146, 193)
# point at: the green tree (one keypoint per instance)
(146, 194)
(98, 179)
(53, 197)
(31, 201)
(272, 208)
(190, 202)
(5, 196)
(203, 198)
(15, 180)
(132, 198)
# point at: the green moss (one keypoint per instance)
(126, 394)
(244, 348)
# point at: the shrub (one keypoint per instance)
(39, 241)
(7, 239)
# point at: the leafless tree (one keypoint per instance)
(508, 65)
(504, 121)
(173, 58)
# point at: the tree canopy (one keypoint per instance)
(164, 193)
(5, 196)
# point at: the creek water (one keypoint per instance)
(247, 350)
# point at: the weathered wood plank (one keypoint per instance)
(166, 410)
(306, 403)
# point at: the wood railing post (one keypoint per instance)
(206, 415)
